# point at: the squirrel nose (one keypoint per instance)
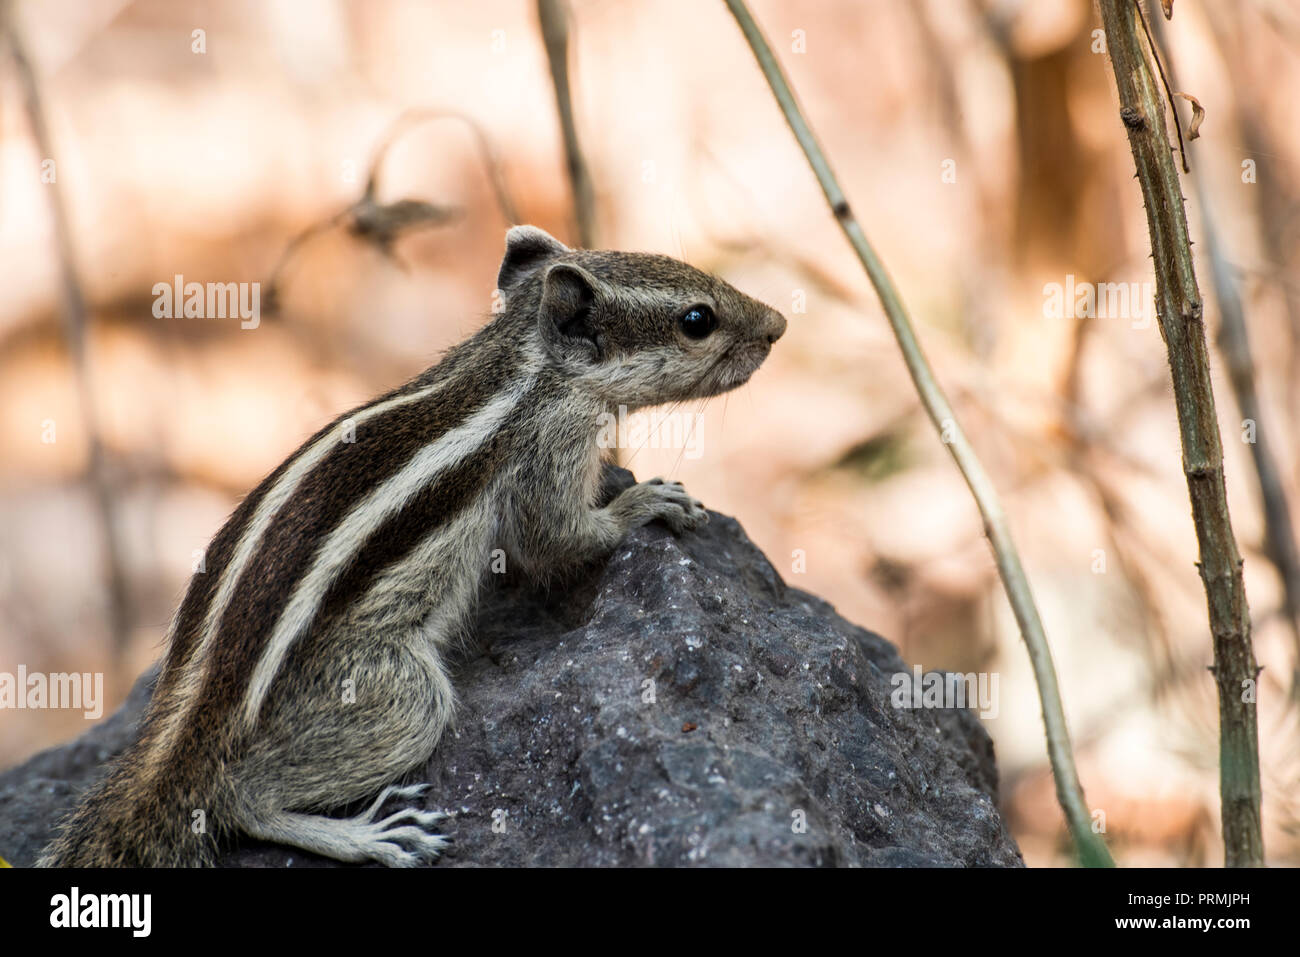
(776, 327)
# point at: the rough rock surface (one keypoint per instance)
(681, 705)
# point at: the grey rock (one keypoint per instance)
(680, 705)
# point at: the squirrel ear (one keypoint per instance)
(527, 247)
(567, 313)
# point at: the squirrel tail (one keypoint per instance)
(138, 817)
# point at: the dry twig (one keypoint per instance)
(383, 223)
(1092, 850)
(1233, 341)
(1180, 313)
(555, 34)
(74, 329)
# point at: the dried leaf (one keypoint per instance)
(382, 223)
(1198, 115)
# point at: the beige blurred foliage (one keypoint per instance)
(208, 164)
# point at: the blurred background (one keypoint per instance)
(979, 143)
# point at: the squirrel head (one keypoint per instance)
(634, 328)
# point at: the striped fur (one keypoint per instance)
(367, 520)
(357, 564)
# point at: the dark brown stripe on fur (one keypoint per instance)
(203, 584)
(434, 506)
(343, 478)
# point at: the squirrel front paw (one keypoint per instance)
(646, 501)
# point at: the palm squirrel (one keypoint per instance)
(357, 562)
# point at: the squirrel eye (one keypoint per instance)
(698, 321)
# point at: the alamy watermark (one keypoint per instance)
(655, 430)
(132, 912)
(179, 299)
(1134, 301)
(941, 689)
(58, 691)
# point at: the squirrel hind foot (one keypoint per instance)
(361, 838)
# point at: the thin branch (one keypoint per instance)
(555, 34)
(382, 224)
(1234, 342)
(1092, 850)
(74, 330)
(1180, 312)
(487, 152)
(554, 20)
(1169, 93)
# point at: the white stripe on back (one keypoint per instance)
(201, 655)
(270, 505)
(360, 523)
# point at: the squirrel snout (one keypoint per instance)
(775, 327)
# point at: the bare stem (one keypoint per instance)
(74, 330)
(1180, 312)
(555, 34)
(1092, 850)
(1233, 341)
(487, 151)
(382, 223)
